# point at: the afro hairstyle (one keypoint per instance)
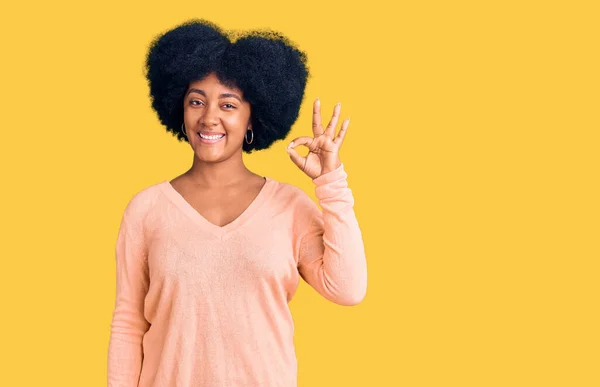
(265, 65)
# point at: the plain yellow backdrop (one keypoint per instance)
(472, 154)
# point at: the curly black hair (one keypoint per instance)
(265, 65)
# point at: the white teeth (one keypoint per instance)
(216, 137)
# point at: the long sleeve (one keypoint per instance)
(128, 325)
(331, 254)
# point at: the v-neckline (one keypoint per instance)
(205, 224)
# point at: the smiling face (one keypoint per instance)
(216, 118)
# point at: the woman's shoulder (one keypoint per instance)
(289, 190)
(293, 196)
(142, 200)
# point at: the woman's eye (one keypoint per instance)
(197, 103)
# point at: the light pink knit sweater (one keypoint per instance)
(198, 305)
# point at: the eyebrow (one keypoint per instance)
(224, 95)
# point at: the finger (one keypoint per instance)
(316, 122)
(304, 140)
(342, 133)
(330, 131)
(296, 158)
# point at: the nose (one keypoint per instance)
(211, 116)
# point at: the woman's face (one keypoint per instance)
(219, 112)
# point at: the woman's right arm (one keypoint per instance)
(128, 325)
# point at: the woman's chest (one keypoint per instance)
(259, 255)
(221, 208)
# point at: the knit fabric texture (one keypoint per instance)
(199, 305)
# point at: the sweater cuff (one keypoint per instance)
(337, 174)
(333, 184)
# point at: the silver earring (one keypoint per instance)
(183, 130)
(252, 136)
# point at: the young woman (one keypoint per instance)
(207, 262)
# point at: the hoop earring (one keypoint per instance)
(246, 136)
(183, 130)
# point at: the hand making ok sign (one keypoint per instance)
(323, 149)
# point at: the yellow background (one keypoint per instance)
(472, 154)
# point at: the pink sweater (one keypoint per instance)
(198, 305)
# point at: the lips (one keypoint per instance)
(211, 140)
(205, 133)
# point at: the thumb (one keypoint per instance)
(294, 155)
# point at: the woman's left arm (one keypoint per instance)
(331, 255)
